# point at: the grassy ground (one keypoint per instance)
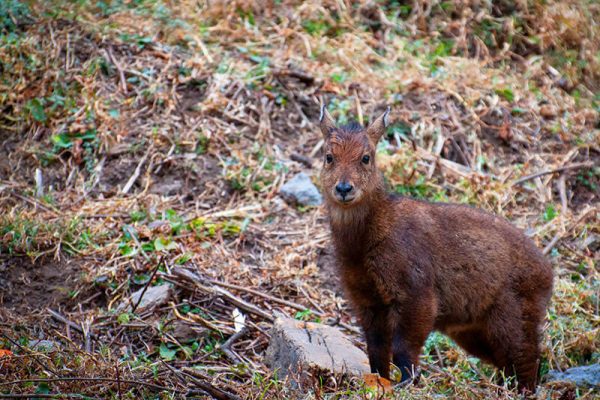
(139, 137)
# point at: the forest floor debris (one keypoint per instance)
(145, 143)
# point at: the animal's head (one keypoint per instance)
(349, 173)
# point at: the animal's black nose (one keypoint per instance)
(343, 188)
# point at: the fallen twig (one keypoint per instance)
(196, 280)
(552, 171)
(46, 396)
(201, 381)
(94, 379)
(113, 60)
(562, 234)
(294, 73)
(284, 302)
(147, 284)
(26, 350)
(302, 159)
(226, 347)
(562, 190)
(136, 173)
(71, 324)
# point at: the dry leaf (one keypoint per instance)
(374, 381)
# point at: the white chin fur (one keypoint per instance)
(341, 215)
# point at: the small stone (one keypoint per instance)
(185, 332)
(158, 224)
(584, 376)
(167, 188)
(304, 351)
(300, 190)
(44, 346)
(548, 111)
(154, 296)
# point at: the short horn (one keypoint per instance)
(326, 121)
(377, 128)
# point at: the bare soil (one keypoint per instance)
(26, 286)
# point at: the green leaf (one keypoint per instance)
(175, 221)
(137, 216)
(148, 247)
(36, 109)
(161, 244)
(89, 134)
(166, 353)
(197, 223)
(506, 93)
(43, 388)
(303, 315)
(185, 308)
(245, 224)
(141, 279)
(550, 213)
(62, 140)
(339, 77)
(400, 128)
(123, 318)
(183, 258)
(231, 228)
(126, 250)
(171, 215)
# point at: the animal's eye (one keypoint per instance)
(329, 158)
(366, 159)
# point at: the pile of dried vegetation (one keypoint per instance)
(143, 139)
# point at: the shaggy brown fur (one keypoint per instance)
(410, 267)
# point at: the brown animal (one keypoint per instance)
(410, 267)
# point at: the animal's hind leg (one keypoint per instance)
(512, 332)
(475, 342)
(527, 360)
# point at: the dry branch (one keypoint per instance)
(201, 381)
(136, 172)
(93, 379)
(572, 226)
(526, 178)
(191, 277)
(284, 302)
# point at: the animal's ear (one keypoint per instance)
(377, 128)
(326, 121)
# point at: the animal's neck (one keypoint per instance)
(355, 229)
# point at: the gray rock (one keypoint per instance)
(155, 296)
(301, 190)
(304, 351)
(185, 332)
(158, 224)
(167, 188)
(44, 346)
(585, 376)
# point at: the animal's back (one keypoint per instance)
(476, 258)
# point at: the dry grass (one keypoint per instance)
(162, 131)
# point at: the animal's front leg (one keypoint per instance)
(410, 330)
(378, 337)
(403, 355)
